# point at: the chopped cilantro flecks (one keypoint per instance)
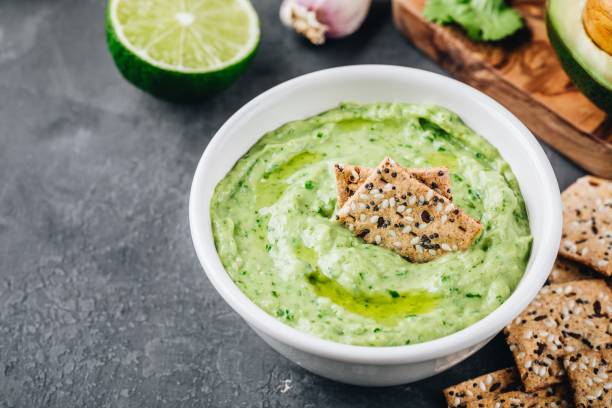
(394, 294)
(286, 313)
(482, 20)
(309, 185)
(473, 295)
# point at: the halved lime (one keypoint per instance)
(182, 50)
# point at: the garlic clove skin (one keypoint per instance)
(343, 17)
(303, 21)
(321, 19)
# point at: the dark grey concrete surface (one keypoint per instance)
(102, 300)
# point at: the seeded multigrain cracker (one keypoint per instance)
(488, 384)
(590, 375)
(587, 223)
(538, 353)
(567, 271)
(539, 366)
(547, 397)
(560, 302)
(562, 319)
(349, 178)
(517, 399)
(395, 210)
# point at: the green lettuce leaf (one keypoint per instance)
(483, 20)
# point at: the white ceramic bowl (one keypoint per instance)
(313, 93)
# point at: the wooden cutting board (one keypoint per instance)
(523, 75)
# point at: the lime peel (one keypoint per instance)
(178, 50)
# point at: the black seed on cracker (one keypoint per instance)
(363, 233)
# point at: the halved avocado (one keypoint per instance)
(588, 66)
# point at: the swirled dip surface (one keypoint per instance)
(275, 229)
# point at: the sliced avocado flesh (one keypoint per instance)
(588, 66)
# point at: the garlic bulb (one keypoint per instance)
(320, 19)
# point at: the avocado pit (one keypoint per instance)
(597, 21)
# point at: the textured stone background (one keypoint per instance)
(102, 300)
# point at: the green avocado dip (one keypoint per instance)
(273, 219)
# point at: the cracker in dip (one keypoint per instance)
(393, 209)
(349, 178)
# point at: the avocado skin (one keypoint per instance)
(595, 91)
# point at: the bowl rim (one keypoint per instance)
(487, 327)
